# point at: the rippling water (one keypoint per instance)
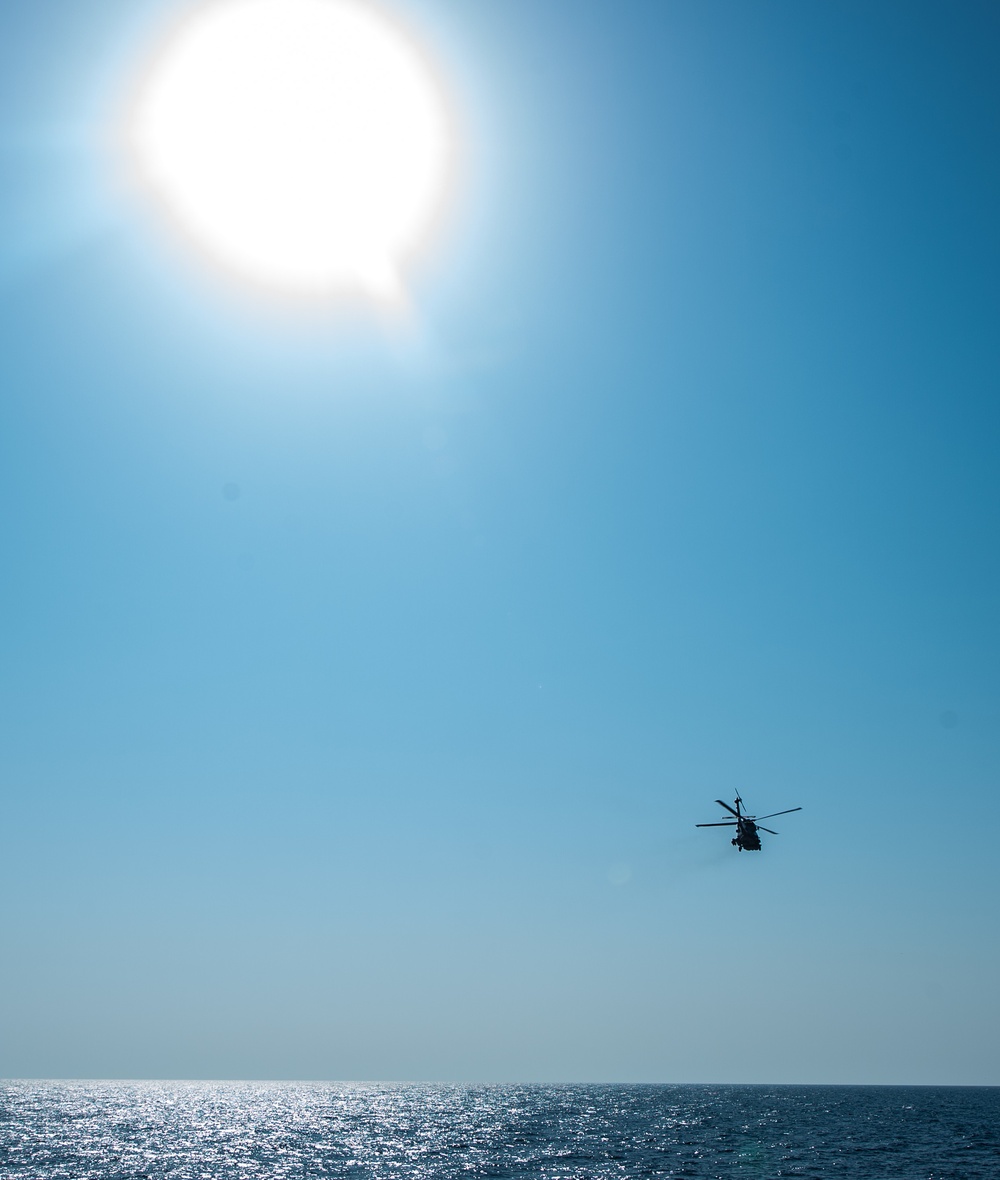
(124, 1131)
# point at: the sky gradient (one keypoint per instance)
(361, 683)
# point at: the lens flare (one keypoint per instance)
(303, 143)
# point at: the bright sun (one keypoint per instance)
(304, 143)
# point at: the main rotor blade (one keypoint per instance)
(774, 813)
(728, 808)
(729, 823)
(763, 829)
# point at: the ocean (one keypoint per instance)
(204, 1131)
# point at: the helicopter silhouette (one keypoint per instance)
(746, 825)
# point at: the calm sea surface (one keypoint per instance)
(115, 1130)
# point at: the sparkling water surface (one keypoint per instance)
(132, 1130)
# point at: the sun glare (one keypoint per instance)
(303, 143)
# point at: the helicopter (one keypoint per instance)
(746, 825)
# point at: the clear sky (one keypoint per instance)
(361, 684)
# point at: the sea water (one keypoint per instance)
(197, 1131)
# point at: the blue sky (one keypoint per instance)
(360, 687)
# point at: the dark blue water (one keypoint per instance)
(197, 1131)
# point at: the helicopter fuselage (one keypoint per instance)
(746, 836)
